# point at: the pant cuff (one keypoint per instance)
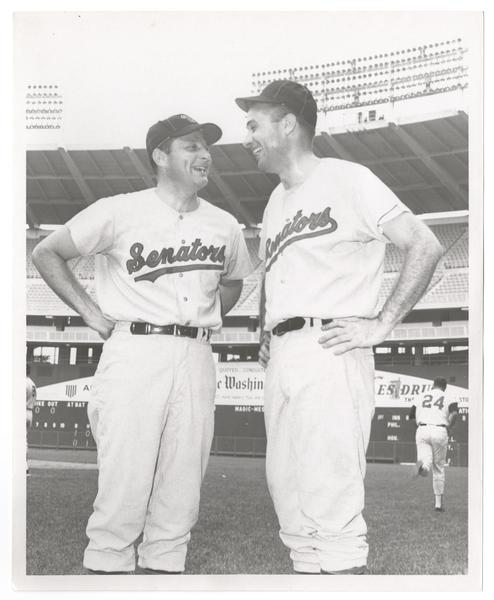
(96, 560)
(164, 563)
(306, 567)
(339, 565)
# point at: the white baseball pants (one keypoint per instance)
(432, 448)
(152, 417)
(318, 411)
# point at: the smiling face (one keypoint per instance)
(188, 161)
(265, 137)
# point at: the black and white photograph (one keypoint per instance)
(250, 300)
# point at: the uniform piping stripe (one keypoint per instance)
(296, 239)
(387, 213)
(153, 275)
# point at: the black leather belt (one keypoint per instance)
(433, 424)
(138, 328)
(296, 323)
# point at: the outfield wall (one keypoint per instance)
(60, 415)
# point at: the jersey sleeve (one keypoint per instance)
(239, 265)
(376, 205)
(92, 230)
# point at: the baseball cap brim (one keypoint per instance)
(246, 102)
(211, 132)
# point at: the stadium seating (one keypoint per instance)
(83, 267)
(253, 248)
(453, 287)
(457, 256)
(449, 234)
(31, 270)
(392, 259)
(453, 238)
(40, 300)
(248, 303)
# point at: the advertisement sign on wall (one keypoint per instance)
(242, 383)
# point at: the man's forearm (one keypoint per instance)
(61, 280)
(419, 265)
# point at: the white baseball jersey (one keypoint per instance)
(433, 408)
(157, 265)
(323, 244)
(30, 393)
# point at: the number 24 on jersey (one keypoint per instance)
(427, 402)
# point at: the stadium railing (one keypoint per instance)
(378, 451)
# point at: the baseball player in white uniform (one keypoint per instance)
(168, 265)
(30, 402)
(323, 241)
(434, 416)
(30, 397)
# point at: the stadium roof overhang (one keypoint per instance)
(425, 163)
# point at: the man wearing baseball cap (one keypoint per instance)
(323, 242)
(169, 266)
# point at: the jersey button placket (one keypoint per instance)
(179, 277)
(183, 282)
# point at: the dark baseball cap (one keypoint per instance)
(177, 126)
(295, 96)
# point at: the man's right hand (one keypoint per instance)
(264, 349)
(101, 324)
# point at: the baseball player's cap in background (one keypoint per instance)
(177, 126)
(295, 96)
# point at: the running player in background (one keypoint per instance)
(30, 401)
(434, 416)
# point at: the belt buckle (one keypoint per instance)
(139, 328)
(183, 330)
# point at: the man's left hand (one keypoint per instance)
(346, 334)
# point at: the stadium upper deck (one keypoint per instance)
(424, 162)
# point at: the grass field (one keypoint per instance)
(237, 530)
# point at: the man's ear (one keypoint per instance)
(289, 123)
(159, 157)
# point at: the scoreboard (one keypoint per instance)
(64, 424)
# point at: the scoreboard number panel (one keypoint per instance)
(69, 419)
